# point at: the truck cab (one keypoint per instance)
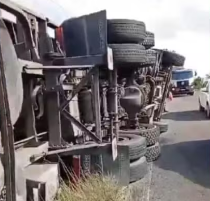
(204, 99)
(181, 82)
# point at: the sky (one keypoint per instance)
(179, 25)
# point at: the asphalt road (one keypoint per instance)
(182, 173)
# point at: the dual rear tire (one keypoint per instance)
(137, 151)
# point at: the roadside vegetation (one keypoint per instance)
(200, 82)
(92, 188)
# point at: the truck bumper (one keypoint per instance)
(186, 90)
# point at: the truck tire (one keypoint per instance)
(136, 144)
(150, 58)
(163, 126)
(125, 31)
(153, 152)
(172, 59)
(149, 41)
(132, 54)
(138, 169)
(191, 93)
(149, 131)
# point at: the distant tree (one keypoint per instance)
(198, 83)
(208, 76)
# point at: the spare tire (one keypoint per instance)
(172, 59)
(138, 169)
(128, 54)
(163, 126)
(136, 144)
(153, 152)
(149, 41)
(149, 131)
(125, 31)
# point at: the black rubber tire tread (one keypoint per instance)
(153, 152)
(151, 57)
(132, 54)
(149, 131)
(149, 41)
(125, 31)
(138, 169)
(136, 144)
(172, 58)
(163, 126)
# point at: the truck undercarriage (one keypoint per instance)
(93, 90)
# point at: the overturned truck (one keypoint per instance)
(96, 90)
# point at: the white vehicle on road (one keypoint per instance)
(204, 99)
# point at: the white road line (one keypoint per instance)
(149, 182)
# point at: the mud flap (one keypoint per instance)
(120, 168)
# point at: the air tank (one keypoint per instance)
(86, 106)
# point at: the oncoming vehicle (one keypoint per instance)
(204, 99)
(182, 80)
